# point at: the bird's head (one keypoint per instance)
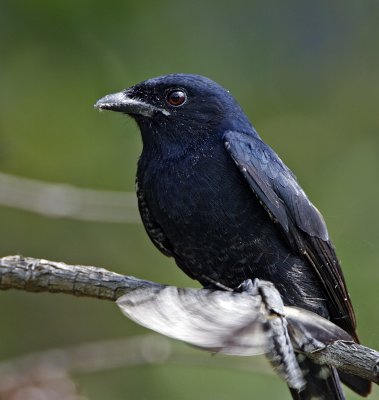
(178, 110)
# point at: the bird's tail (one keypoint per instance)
(322, 382)
(358, 385)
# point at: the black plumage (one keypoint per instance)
(217, 199)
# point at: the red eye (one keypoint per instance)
(176, 97)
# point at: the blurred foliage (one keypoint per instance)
(305, 72)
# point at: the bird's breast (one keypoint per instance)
(207, 211)
(203, 190)
(218, 230)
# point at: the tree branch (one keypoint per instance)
(350, 357)
(58, 200)
(37, 275)
(34, 275)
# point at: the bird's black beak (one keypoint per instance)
(122, 102)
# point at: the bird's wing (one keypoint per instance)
(153, 229)
(279, 193)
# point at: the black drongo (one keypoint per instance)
(217, 199)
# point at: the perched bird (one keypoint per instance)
(217, 199)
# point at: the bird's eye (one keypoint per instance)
(176, 97)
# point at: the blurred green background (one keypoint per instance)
(305, 72)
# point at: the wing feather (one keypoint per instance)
(304, 227)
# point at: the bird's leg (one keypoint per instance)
(214, 284)
(280, 352)
(248, 286)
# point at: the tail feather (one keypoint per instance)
(322, 382)
(358, 385)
